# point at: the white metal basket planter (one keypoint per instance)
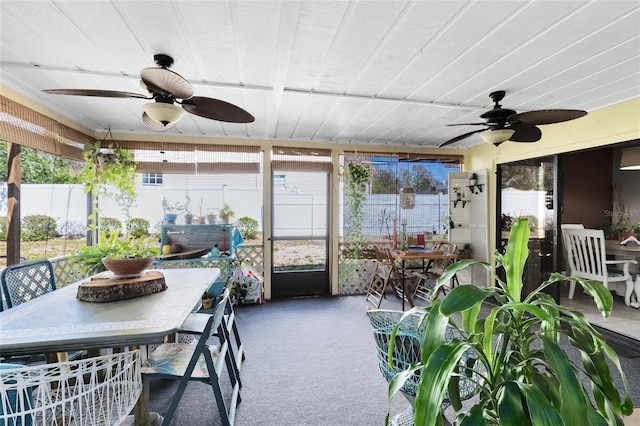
(89, 392)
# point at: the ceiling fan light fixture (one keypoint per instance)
(497, 136)
(167, 114)
(630, 159)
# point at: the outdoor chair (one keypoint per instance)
(25, 281)
(428, 278)
(89, 392)
(198, 362)
(399, 279)
(586, 257)
(196, 322)
(407, 351)
(380, 280)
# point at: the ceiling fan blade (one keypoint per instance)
(546, 116)
(154, 125)
(459, 138)
(216, 109)
(525, 133)
(468, 124)
(167, 81)
(98, 93)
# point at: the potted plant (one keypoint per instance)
(226, 213)
(356, 178)
(171, 210)
(523, 375)
(212, 216)
(624, 229)
(109, 171)
(473, 180)
(457, 191)
(124, 251)
(207, 300)
(465, 251)
(188, 216)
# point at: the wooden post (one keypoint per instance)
(13, 204)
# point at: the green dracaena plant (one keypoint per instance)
(524, 376)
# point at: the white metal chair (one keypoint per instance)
(199, 362)
(406, 352)
(89, 392)
(586, 257)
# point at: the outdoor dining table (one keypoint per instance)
(424, 255)
(59, 322)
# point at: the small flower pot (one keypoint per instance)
(170, 217)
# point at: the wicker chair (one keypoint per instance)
(90, 392)
(406, 351)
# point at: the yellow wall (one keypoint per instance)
(611, 125)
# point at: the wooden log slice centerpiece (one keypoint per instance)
(103, 288)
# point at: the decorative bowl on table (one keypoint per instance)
(127, 268)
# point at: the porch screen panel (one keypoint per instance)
(424, 175)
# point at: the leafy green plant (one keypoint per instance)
(226, 210)
(111, 247)
(38, 227)
(137, 227)
(248, 227)
(109, 172)
(356, 177)
(172, 208)
(525, 376)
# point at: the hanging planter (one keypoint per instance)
(356, 178)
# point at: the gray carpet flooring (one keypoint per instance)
(309, 362)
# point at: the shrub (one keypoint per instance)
(38, 227)
(110, 225)
(248, 227)
(137, 227)
(3, 228)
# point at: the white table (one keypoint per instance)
(59, 322)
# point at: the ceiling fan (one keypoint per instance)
(166, 87)
(505, 124)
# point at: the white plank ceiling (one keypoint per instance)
(361, 72)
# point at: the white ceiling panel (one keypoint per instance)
(378, 72)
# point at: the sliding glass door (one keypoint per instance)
(529, 189)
